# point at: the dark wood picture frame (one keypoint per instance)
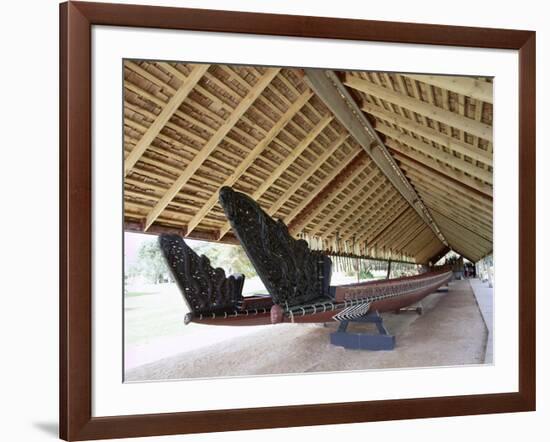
(76, 421)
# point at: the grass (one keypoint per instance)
(132, 294)
(153, 314)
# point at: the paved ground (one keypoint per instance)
(450, 332)
(484, 297)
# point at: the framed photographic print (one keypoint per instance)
(272, 220)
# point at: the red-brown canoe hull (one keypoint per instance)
(263, 317)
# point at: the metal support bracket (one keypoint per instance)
(364, 341)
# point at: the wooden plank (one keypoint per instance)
(453, 119)
(168, 110)
(440, 138)
(469, 86)
(250, 158)
(295, 153)
(203, 154)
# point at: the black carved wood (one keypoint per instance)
(292, 273)
(205, 288)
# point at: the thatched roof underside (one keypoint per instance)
(191, 129)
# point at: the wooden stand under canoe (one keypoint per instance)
(297, 278)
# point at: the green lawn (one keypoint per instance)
(150, 315)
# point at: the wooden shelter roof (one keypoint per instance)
(191, 128)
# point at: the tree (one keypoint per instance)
(151, 263)
(231, 258)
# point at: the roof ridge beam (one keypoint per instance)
(333, 93)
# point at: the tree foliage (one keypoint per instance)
(151, 266)
(231, 258)
(150, 263)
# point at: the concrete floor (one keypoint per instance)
(451, 331)
(483, 293)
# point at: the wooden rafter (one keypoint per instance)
(390, 223)
(398, 228)
(436, 178)
(466, 235)
(321, 186)
(334, 146)
(401, 151)
(328, 86)
(453, 219)
(406, 240)
(358, 222)
(250, 158)
(455, 203)
(370, 224)
(374, 225)
(222, 131)
(440, 188)
(436, 154)
(433, 250)
(295, 153)
(435, 136)
(359, 187)
(357, 203)
(468, 86)
(460, 241)
(339, 183)
(451, 207)
(421, 243)
(168, 110)
(359, 225)
(452, 119)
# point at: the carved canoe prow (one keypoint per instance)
(205, 289)
(292, 273)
